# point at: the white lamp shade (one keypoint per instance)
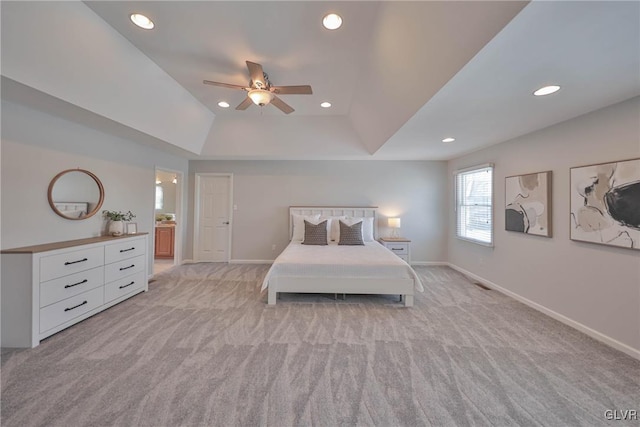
(394, 222)
(260, 96)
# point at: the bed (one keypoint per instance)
(365, 269)
(73, 209)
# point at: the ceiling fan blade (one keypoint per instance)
(292, 90)
(230, 86)
(281, 105)
(244, 104)
(257, 75)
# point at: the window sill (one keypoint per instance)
(477, 242)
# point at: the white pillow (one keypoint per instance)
(334, 226)
(367, 227)
(298, 225)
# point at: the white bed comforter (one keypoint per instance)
(371, 260)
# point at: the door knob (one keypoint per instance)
(226, 222)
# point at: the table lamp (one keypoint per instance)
(394, 224)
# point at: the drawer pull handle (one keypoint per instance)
(127, 250)
(124, 286)
(126, 268)
(75, 284)
(397, 249)
(75, 262)
(76, 306)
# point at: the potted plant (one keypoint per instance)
(116, 221)
(164, 218)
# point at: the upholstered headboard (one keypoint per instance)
(350, 211)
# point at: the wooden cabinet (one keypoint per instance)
(47, 288)
(165, 238)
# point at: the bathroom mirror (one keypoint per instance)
(76, 194)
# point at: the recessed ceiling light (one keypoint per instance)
(332, 21)
(325, 104)
(142, 21)
(448, 139)
(547, 90)
(223, 104)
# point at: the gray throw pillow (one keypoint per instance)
(315, 234)
(351, 234)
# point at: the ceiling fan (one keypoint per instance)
(261, 92)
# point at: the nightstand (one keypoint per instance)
(399, 246)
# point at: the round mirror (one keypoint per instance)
(76, 194)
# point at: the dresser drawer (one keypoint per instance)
(124, 268)
(66, 310)
(123, 250)
(65, 287)
(54, 266)
(124, 286)
(398, 248)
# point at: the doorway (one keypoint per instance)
(212, 230)
(168, 219)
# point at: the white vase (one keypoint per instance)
(116, 228)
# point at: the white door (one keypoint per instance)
(212, 234)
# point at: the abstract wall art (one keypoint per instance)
(605, 203)
(528, 203)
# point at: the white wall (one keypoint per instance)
(36, 146)
(64, 49)
(264, 190)
(594, 285)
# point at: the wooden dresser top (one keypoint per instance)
(66, 244)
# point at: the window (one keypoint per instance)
(159, 197)
(474, 200)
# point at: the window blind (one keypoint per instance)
(474, 204)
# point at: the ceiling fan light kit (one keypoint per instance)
(261, 97)
(261, 92)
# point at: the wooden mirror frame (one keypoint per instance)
(89, 214)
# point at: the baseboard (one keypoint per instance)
(251, 261)
(557, 316)
(429, 263)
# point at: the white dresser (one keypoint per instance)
(47, 288)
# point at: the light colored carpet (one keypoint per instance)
(161, 265)
(202, 348)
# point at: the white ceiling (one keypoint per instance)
(401, 75)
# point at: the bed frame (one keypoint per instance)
(70, 207)
(352, 285)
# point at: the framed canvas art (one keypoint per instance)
(528, 203)
(605, 203)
